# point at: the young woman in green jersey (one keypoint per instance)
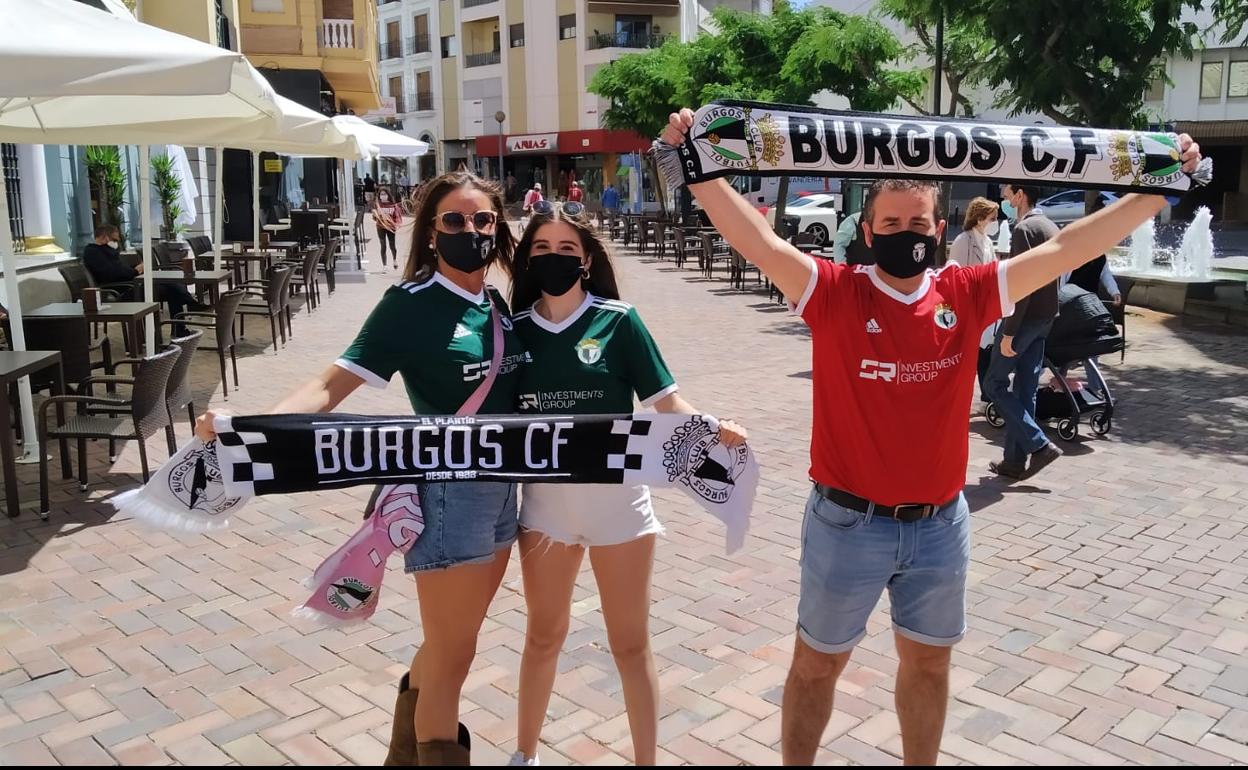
(435, 328)
(590, 354)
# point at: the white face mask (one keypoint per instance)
(992, 228)
(113, 244)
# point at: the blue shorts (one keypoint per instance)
(850, 557)
(465, 523)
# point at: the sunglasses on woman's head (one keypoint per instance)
(455, 221)
(547, 208)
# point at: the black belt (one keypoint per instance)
(906, 512)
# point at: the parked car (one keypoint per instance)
(816, 213)
(1066, 207)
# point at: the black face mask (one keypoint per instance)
(904, 254)
(467, 251)
(556, 274)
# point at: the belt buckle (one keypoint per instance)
(926, 509)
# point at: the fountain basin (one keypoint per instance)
(1175, 294)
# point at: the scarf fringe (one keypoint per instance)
(325, 620)
(667, 158)
(134, 503)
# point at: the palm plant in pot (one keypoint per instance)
(108, 184)
(168, 192)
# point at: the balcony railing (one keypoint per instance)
(420, 101)
(390, 49)
(625, 40)
(482, 59)
(474, 3)
(337, 33)
(400, 106)
(419, 44)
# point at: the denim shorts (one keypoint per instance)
(850, 557)
(465, 523)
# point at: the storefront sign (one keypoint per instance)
(272, 165)
(533, 143)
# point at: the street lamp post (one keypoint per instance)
(500, 116)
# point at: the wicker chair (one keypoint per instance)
(306, 272)
(95, 417)
(78, 277)
(220, 318)
(275, 293)
(178, 393)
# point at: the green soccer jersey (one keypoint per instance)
(591, 363)
(441, 339)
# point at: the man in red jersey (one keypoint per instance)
(894, 348)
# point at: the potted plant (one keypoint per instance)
(168, 192)
(108, 184)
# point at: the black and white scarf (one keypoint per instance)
(733, 138)
(272, 454)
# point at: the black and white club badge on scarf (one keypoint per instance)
(187, 494)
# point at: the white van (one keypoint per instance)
(761, 191)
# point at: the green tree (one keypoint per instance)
(965, 47)
(1087, 64)
(1232, 15)
(787, 56)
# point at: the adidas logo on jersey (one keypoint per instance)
(462, 331)
(873, 327)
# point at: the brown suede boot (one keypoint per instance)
(447, 753)
(403, 744)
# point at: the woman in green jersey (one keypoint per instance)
(436, 329)
(591, 354)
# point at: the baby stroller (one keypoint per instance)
(1082, 330)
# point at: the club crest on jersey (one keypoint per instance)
(945, 317)
(589, 350)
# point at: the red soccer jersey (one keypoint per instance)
(894, 375)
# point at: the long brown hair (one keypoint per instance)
(422, 261)
(601, 281)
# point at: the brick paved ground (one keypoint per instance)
(1107, 598)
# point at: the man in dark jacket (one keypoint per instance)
(1020, 347)
(105, 265)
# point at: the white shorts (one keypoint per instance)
(588, 514)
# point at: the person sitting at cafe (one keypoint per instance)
(105, 265)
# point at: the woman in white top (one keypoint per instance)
(974, 246)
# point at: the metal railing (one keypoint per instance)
(482, 59)
(13, 185)
(420, 101)
(419, 44)
(625, 40)
(389, 49)
(474, 3)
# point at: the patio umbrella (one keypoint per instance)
(382, 141)
(72, 74)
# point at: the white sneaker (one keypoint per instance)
(520, 759)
